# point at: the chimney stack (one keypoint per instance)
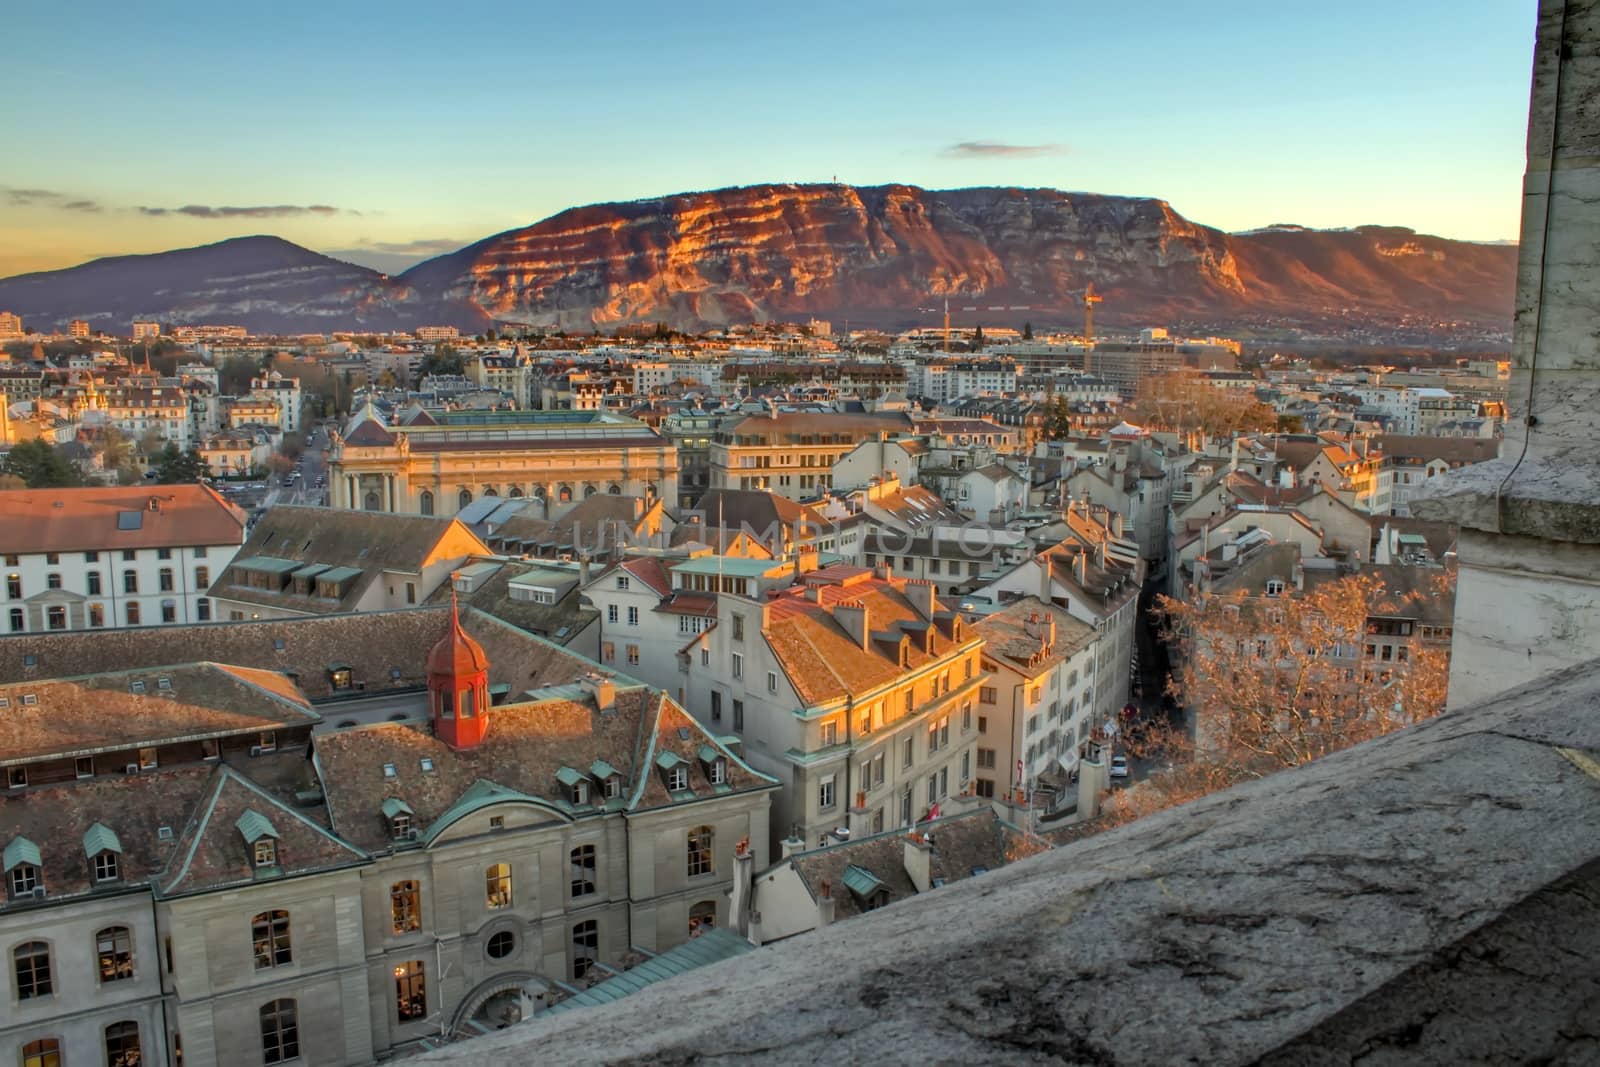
(919, 861)
(742, 892)
(920, 593)
(790, 845)
(852, 615)
(602, 689)
(825, 905)
(1080, 568)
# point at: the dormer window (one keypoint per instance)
(259, 837)
(613, 787)
(575, 786)
(100, 844)
(580, 793)
(398, 814)
(678, 779)
(339, 676)
(23, 865)
(1275, 587)
(718, 772)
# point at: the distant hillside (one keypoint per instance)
(882, 255)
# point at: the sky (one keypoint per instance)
(387, 132)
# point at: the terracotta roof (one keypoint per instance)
(121, 710)
(1007, 638)
(525, 749)
(114, 518)
(648, 569)
(818, 655)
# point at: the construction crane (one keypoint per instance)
(1089, 301)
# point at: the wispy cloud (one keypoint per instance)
(430, 246)
(50, 198)
(268, 211)
(999, 149)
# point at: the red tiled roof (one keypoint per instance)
(78, 520)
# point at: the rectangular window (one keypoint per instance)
(829, 734)
(984, 788)
(17, 620)
(738, 716)
(633, 616)
(772, 682)
(612, 613)
(716, 707)
(165, 579)
(878, 768)
(202, 609)
(738, 627)
(129, 555)
(738, 665)
(583, 870)
(986, 694)
(410, 992)
(83, 767)
(906, 753)
(633, 655)
(94, 583)
(56, 617)
(608, 652)
(966, 767)
(163, 553)
(14, 586)
(825, 793)
(130, 581)
(966, 718)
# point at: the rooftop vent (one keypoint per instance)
(136, 686)
(164, 833)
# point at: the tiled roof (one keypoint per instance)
(103, 712)
(648, 569)
(1452, 450)
(1006, 636)
(374, 645)
(818, 655)
(526, 747)
(214, 851)
(114, 518)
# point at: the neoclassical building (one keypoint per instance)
(425, 463)
(339, 861)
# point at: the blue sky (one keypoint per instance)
(420, 127)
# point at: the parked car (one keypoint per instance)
(1119, 766)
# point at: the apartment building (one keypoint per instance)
(10, 326)
(1413, 461)
(144, 328)
(283, 394)
(105, 558)
(142, 410)
(790, 453)
(220, 873)
(856, 691)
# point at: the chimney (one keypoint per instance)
(602, 689)
(743, 890)
(1080, 568)
(583, 571)
(920, 593)
(919, 861)
(1116, 524)
(1031, 627)
(790, 845)
(1046, 592)
(825, 905)
(814, 593)
(852, 615)
(882, 572)
(1233, 462)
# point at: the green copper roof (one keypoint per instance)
(668, 760)
(269, 564)
(21, 850)
(100, 838)
(709, 754)
(603, 770)
(254, 826)
(712, 946)
(568, 776)
(860, 881)
(395, 806)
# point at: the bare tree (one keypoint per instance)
(1184, 402)
(1278, 681)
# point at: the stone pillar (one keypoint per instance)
(1528, 600)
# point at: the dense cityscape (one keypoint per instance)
(739, 647)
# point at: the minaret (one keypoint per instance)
(458, 685)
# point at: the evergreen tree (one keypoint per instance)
(173, 466)
(1027, 331)
(40, 465)
(1060, 425)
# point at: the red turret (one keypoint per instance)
(458, 686)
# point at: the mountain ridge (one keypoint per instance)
(874, 254)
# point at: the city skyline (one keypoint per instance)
(386, 142)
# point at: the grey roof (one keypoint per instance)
(712, 946)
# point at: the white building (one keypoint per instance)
(284, 394)
(111, 557)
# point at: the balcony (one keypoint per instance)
(1431, 895)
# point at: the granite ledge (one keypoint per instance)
(1386, 902)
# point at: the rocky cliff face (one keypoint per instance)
(878, 254)
(886, 255)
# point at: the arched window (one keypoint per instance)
(280, 1031)
(405, 906)
(425, 502)
(30, 962)
(370, 501)
(463, 498)
(702, 917)
(516, 492)
(539, 492)
(114, 949)
(614, 489)
(269, 936)
(45, 1052)
(490, 490)
(410, 992)
(588, 491)
(497, 886)
(585, 947)
(700, 839)
(564, 494)
(122, 1044)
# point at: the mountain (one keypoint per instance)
(884, 255)
(265, 283)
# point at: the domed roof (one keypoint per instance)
(456, 652)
